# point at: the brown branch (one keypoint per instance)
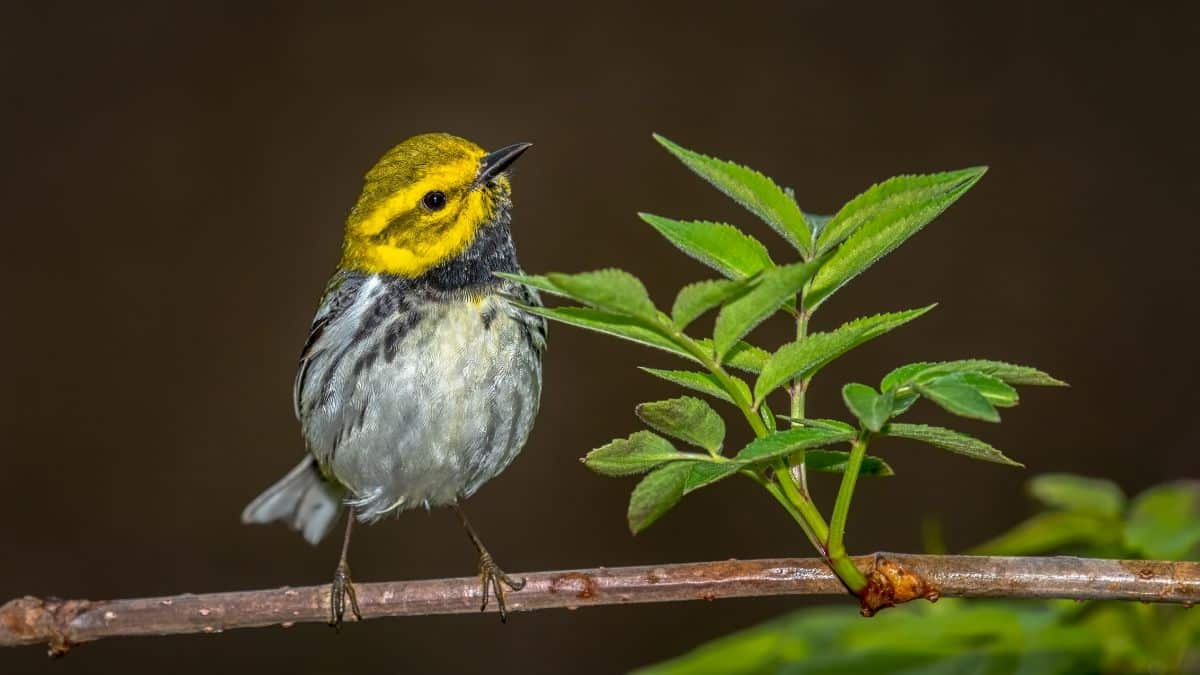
(63, 623)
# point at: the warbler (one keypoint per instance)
(420, 379)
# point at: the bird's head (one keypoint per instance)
(424, 202)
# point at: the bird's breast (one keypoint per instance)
(421, 398)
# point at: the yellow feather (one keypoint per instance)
(389, 231)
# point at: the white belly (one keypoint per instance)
(450, 408)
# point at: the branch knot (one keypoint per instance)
(33, 619)
(889, 584)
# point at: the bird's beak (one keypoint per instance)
(494, 163)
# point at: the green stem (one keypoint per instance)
(838, 559)
(793, 496)
(797, 391)
(804, 505)
(799, 516)
(726, 382)
(852, 577)
(785, 491)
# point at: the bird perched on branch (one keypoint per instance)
(419, 381)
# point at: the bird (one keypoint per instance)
(422, 374)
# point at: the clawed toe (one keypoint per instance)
(492, 576)
(341, 589)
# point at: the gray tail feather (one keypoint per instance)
(303, 499)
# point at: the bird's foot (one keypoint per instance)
(341, 589)
(492, 576)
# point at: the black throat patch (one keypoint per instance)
(491, 251)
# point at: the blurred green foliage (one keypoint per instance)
(1084, 516)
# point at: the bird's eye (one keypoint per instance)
(434, 201)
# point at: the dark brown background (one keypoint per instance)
(174, 184)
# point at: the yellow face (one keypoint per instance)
(421, 205)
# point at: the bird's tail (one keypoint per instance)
(303, 499)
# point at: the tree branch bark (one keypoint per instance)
(64, 623)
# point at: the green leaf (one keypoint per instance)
(784, 443)
(948, 439)
(804, 357)
(831, 425)
(696, 299)
(902, 401)
(867, 405)
(1051, 532)
(743, 355)
(775, 287)
(956, 395)
(1078, 493)
(722, 247)
(688, 419)
(891, 195)
(1005, 372)
(834, 461)
(707, 473)
(704, 383)
(998, 393)
(768, 417)
(881, 225)
(747, 357)
(610, 290)
(537, 281)
(754, 191)
(641, 452)
(1164, 521)
(902, 376)
(628, 328)
(660, 490)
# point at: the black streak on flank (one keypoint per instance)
(362, 415)
(385, 307)
(527, 335)
(488, 316)
(396, 332)
(365, 361)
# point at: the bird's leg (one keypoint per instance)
(342, 587)
(490, 574)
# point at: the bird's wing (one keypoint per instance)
(339, 295)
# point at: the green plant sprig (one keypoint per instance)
(831, 252)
